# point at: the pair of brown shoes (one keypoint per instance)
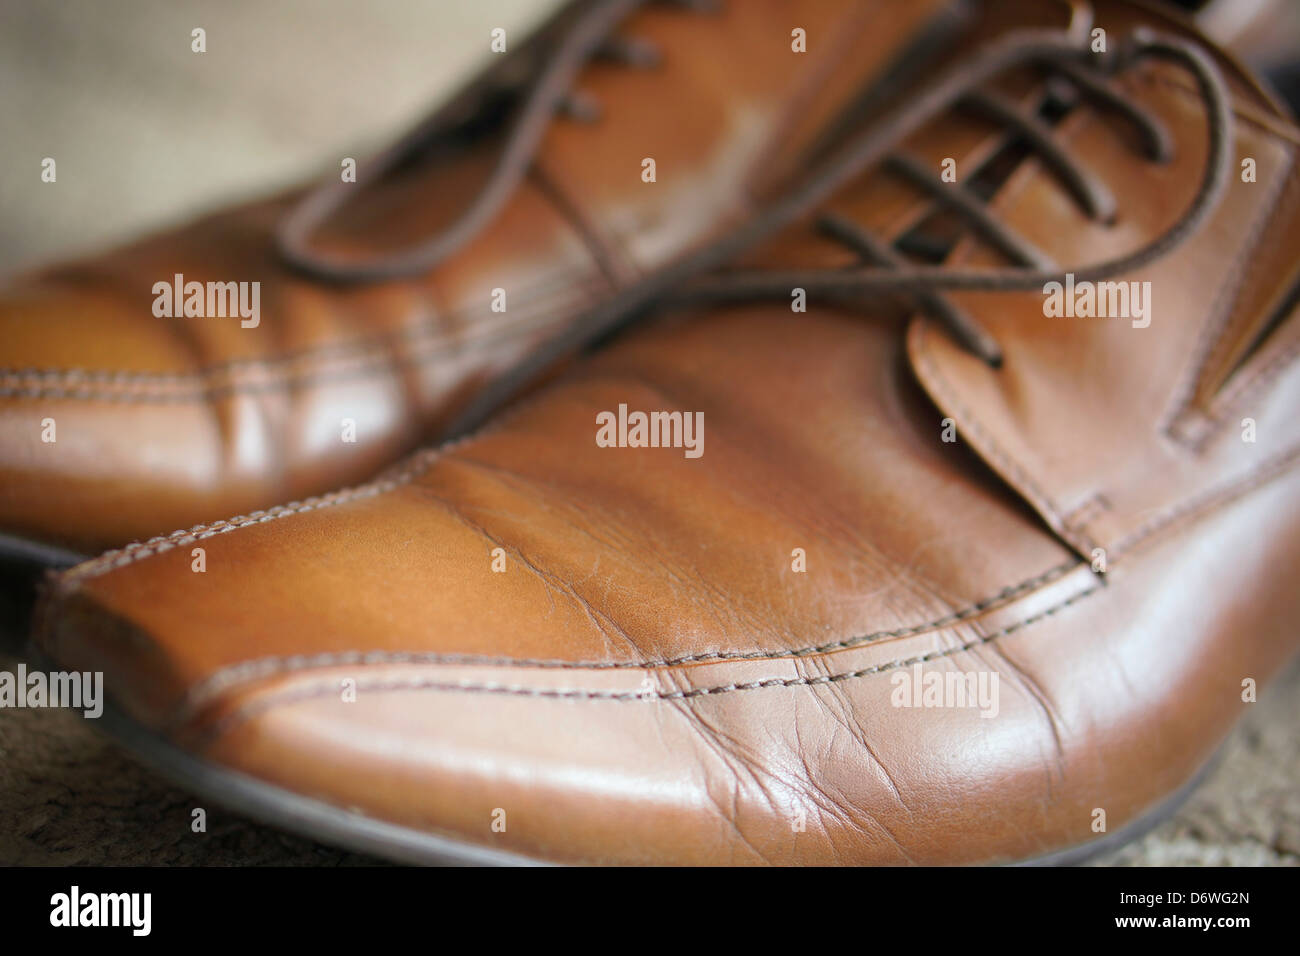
(940, 507)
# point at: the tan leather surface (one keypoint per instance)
(166, 422)
(649, 680)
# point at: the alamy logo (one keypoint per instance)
(79, 690)
(955, 689)
(651, 430)
(75, 908)
(1101, 300)
(208, 300)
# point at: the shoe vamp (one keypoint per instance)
(824, 512)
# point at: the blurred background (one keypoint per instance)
(146, 133)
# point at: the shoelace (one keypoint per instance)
(888, 271)
(1059, 52)
(588, 37)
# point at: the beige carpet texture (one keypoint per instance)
(146, 133)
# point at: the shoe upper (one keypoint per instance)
(162, 418)
(904, 605)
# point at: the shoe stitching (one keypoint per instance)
(376, 368)
(1236, 398)
(276, 365)
(399, 475)
(1087, 511)
(1207, 504)
(1203, 505)
(422, 461)
(265, 667)
(1213, 498)
(248, 711)
(121, 557)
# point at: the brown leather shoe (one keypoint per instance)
(807, 627)
(358, 316)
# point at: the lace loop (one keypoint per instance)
(588, 37)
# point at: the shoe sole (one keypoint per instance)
(286, 810)
(326, 823)
(21, 553)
